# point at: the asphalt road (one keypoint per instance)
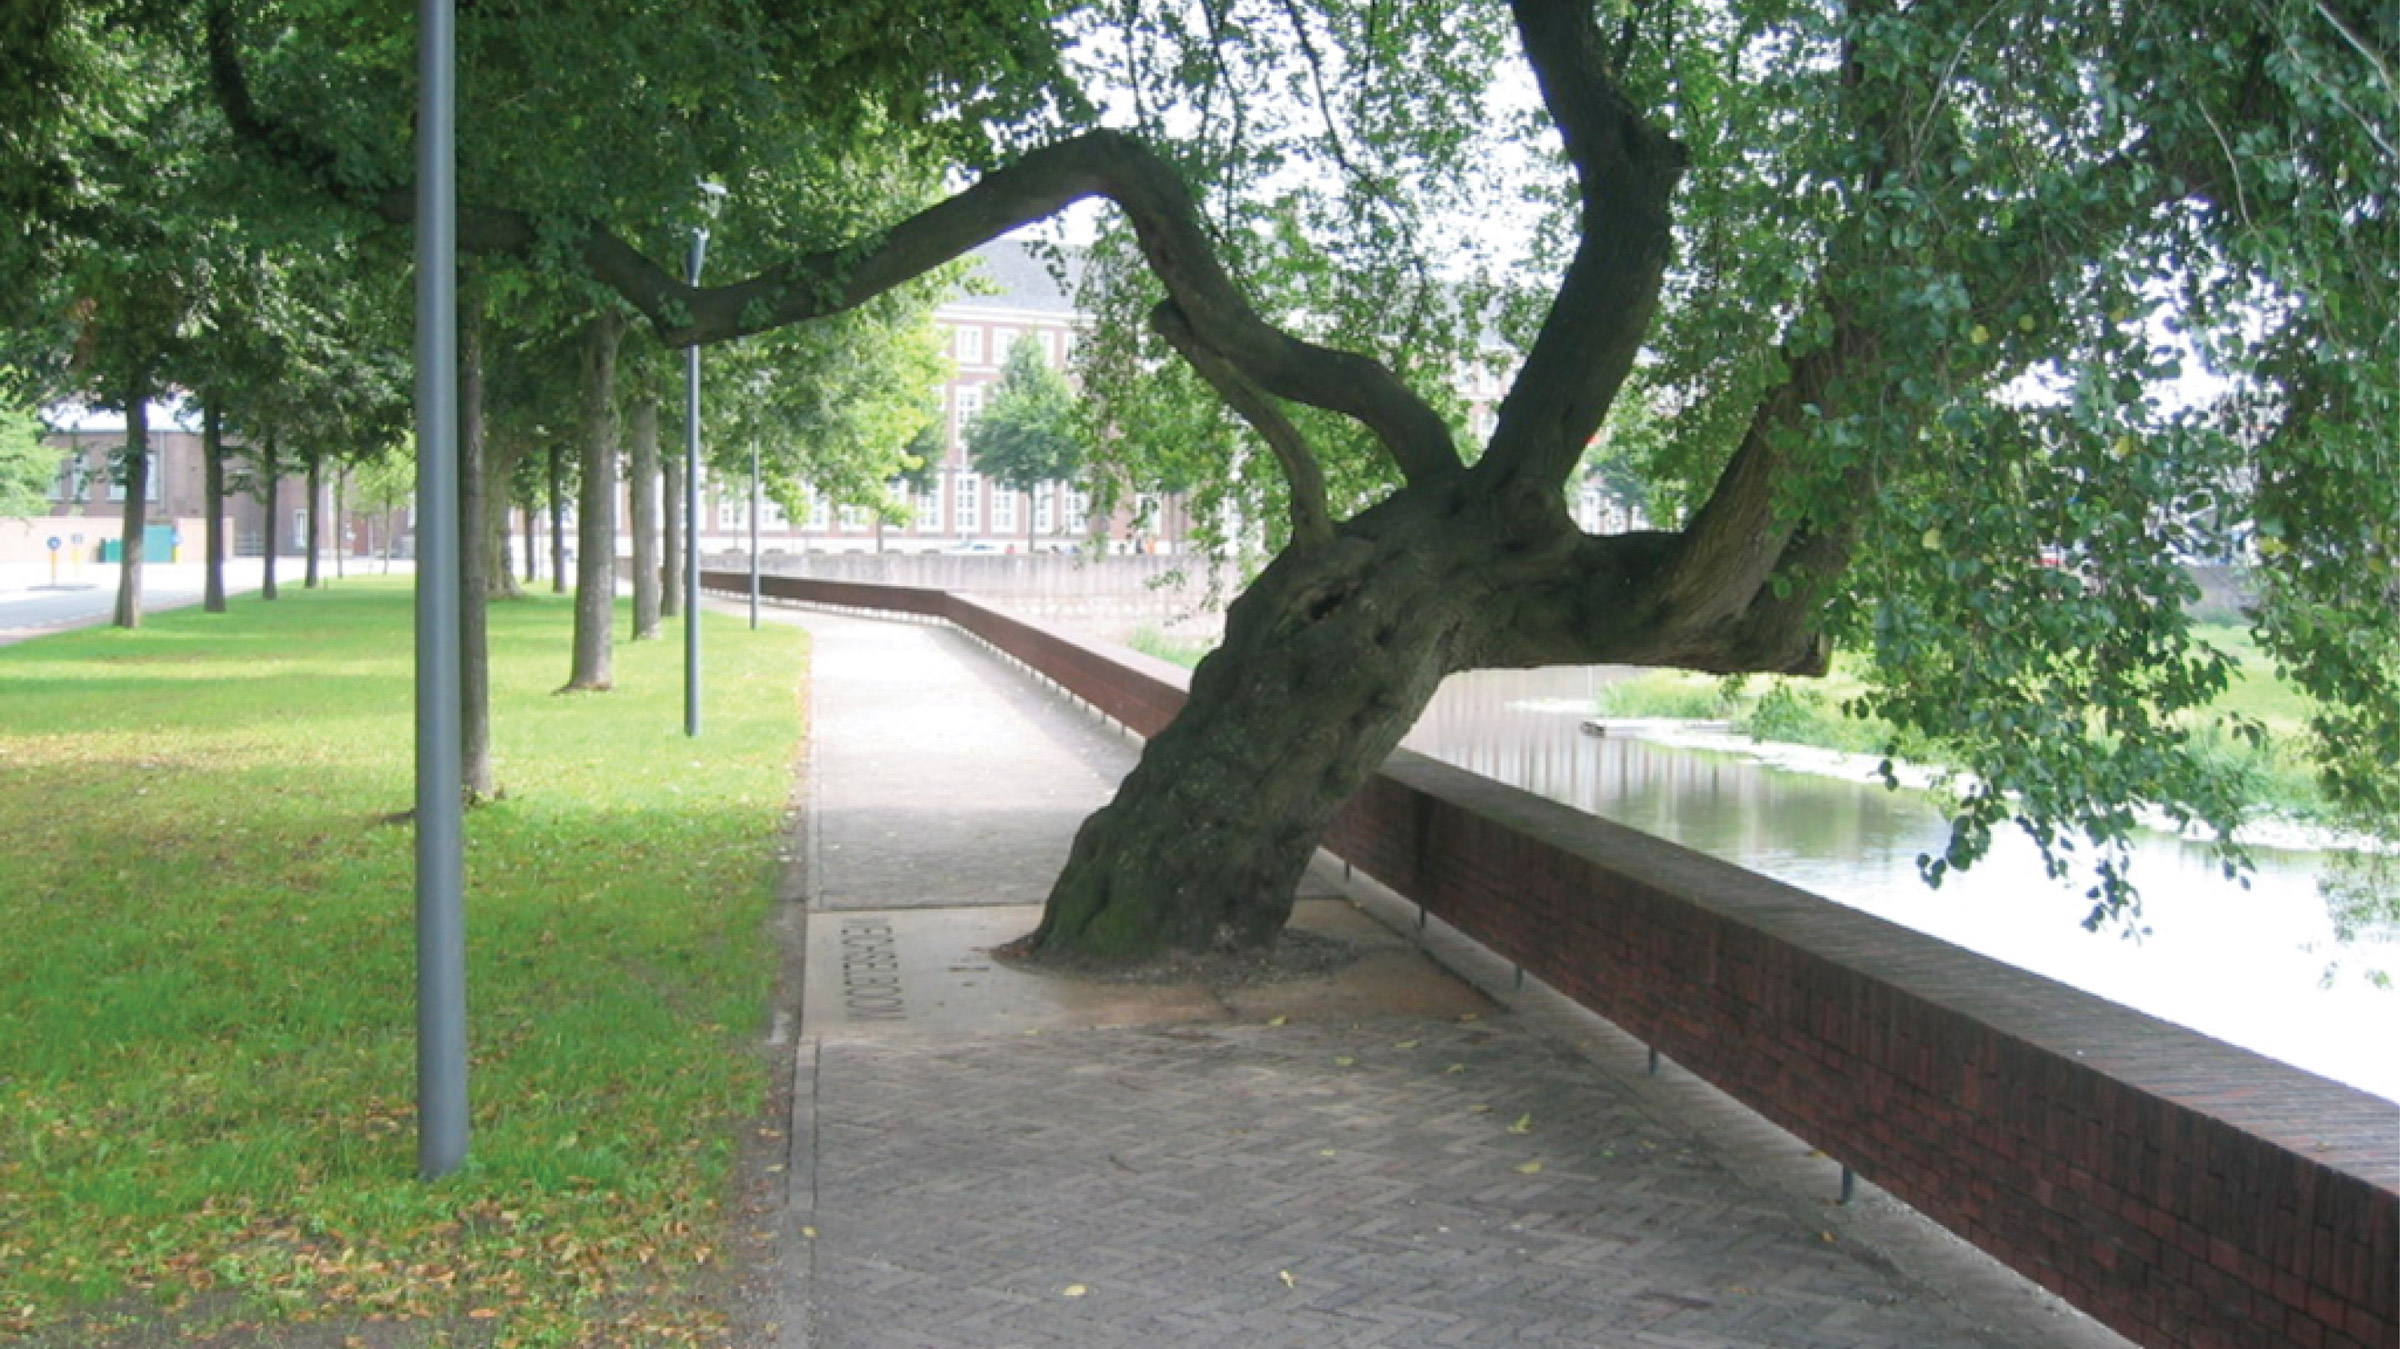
(32, 606)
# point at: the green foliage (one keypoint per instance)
(27, 467)
(835, 408)
(1350, 179)
(1027, 434)
(1183, 651)
(1671, 695)
(205, 1030)
(2013, 238)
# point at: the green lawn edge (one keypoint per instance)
(206, 993)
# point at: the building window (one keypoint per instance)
(770, 515)
(116, 485)
(970, 344)
(1079, 509)
(929, 509)
(1004, 510)
(730, 513)
(1045, 509)
(970, 500)
(970, 406)
(854, 518)
(820, 513)
(1050, 347)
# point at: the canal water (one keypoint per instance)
(2258, 967)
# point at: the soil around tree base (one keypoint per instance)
(1295, 955)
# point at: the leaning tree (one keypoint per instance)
(1905, 287)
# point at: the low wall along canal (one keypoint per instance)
(2181, 1190)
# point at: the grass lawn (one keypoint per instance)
(207, 1033)
(1809, 712)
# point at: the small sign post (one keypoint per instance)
(54, 547)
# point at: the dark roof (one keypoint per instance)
(1023, 278)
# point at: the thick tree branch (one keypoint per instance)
(831, 281)
(1626, 171)
(1312, 520)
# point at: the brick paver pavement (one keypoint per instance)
(1186, 1169)
(1384, 1182)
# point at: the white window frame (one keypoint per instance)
(1004, 510)
(969, 402)
(970, 502)
(969, 344)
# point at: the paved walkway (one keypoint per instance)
(1393, 1155)
(33, 603)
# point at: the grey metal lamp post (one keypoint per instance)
(440, 841)
(713, 196)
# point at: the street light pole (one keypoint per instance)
(440, 842)
(691, 495)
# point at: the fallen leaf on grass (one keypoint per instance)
(1073, 1290)
(1530, 1169)
(1288, 1280)
(1277, 1020)
(1343, 1060)
(1524, 1124)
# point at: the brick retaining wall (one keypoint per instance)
(2181, 1190)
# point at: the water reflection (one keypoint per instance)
(2245, 966)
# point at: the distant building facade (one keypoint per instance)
(86, 509)
(959, 509)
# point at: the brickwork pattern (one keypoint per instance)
(1421, 1183)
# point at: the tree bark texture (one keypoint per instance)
(314, 547)
(596, 507)
(558, 518)
(476, 777)
(670, 598)
(269, 478)
(642, 437)
(212, 495)
(1328, 659)
(136, 472)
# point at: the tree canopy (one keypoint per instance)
(1026, 435)
(1919, 298)
(27, 466)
